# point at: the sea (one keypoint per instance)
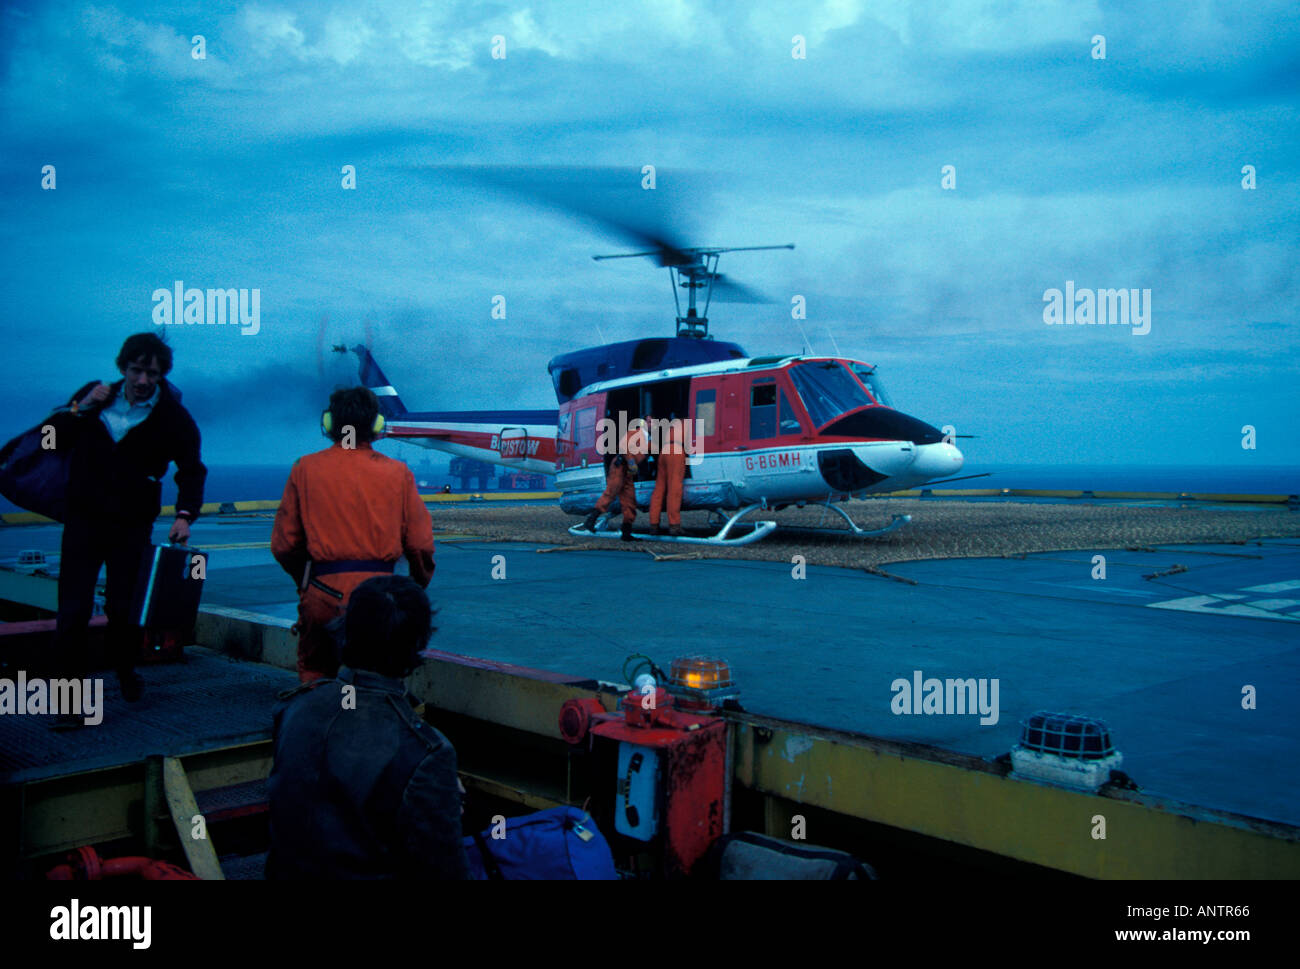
(241, 482)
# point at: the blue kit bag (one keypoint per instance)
(558, 844)
(33, 477)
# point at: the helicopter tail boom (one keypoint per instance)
(519, 439)
(390, 404)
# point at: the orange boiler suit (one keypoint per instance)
(348, 514)
(669, 478)
(620, 483)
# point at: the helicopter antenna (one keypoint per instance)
(694, 269)
(807, 344)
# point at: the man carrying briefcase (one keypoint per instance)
(126, 435)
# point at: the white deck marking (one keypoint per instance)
(1275, 586)
(1277, 605)
(1215, 606)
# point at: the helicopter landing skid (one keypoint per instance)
(860, 532)
(733, 532)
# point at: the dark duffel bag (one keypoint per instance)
(33, 477)
(749, 856)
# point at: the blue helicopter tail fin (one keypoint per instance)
(390, 404)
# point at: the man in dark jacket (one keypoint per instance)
(125, 436)
(361, 787)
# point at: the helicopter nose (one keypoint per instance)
(936, 461)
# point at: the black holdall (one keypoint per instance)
(750, 856)
(34, 475)
(169, 586)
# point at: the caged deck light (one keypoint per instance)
(701, 680)
(1064, 749)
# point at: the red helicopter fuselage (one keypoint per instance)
(769, 430)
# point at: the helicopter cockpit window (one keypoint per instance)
(827, 390)
(789, 419)
(867, 376)
(706, 405)
(762, 409)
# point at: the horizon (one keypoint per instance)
(393, 174)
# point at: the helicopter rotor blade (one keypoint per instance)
(615, 200)
(727, 291)
(610, 197)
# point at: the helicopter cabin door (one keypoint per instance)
(665, 399)
(662, 399)
(732, 405)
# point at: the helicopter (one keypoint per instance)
(762, 433)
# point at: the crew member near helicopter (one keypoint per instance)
(348, 513)
(620, 479)
(669, 477)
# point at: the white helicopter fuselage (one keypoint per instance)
(753, 437)
(773, 431)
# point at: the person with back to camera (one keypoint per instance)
(361, 787)
(620, 478)
(669, 478)
(348, 513)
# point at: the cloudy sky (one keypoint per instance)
(226, 171)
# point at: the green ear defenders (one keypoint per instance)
(327, 423)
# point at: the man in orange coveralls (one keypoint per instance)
(347, 514)
(620, 480)
(669, 477)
